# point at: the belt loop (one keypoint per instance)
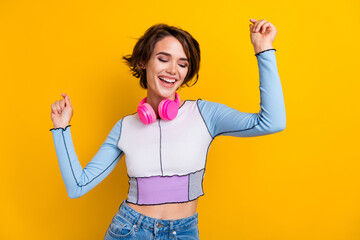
(121, 204)
(155, 227)
(171, 229)
(139, 222)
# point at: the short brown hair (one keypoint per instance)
(146, 44)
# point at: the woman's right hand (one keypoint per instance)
(62, 112)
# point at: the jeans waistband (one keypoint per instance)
(156, 224)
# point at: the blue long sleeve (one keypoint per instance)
(79, 181)
(223, 120)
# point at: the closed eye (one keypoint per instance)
(162, 60)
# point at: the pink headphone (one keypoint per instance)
(167, 109)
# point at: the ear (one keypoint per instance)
(142, 66)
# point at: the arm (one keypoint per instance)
(223, 120)
(79, 181)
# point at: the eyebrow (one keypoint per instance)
(168, 54)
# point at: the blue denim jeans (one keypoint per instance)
(130, 224)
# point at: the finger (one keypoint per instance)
(53, 108)
(259, 24)
(270, 27)
(251, 27)
(252, 20)
(266, 25)
(255, 24)
(57, 106)
(62, 104)
(64, 96)
(67, 99)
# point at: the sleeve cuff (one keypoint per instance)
(60, 128)
(257, 54)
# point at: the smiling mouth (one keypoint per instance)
(167, 80)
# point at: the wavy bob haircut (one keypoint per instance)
(146, 44)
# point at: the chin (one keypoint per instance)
(167, 93)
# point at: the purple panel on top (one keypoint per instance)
(158, 189)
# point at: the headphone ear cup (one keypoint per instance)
(146, 113)
(168, 109)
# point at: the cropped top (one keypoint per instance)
(166, 160)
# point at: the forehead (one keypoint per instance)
(171, 45)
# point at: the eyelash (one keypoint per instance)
(183, 66)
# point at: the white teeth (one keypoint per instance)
(167, 79)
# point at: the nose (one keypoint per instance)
(171, 68)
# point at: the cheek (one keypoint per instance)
(150, 80)
(183, 73)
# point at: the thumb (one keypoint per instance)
(67, 99)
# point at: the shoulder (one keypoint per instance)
(118, 124)
(129, 116)
(206, 105)
(199, 104)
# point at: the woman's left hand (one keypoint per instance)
(262, 34)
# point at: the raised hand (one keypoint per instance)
(262, 34)
(61, 112)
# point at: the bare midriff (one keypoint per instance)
(168, 211)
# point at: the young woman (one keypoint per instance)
(166, 141)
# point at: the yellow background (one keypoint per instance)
(301, 183)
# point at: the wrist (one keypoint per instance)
(61, 125)
(263, 47)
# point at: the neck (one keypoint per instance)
(154, 101)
